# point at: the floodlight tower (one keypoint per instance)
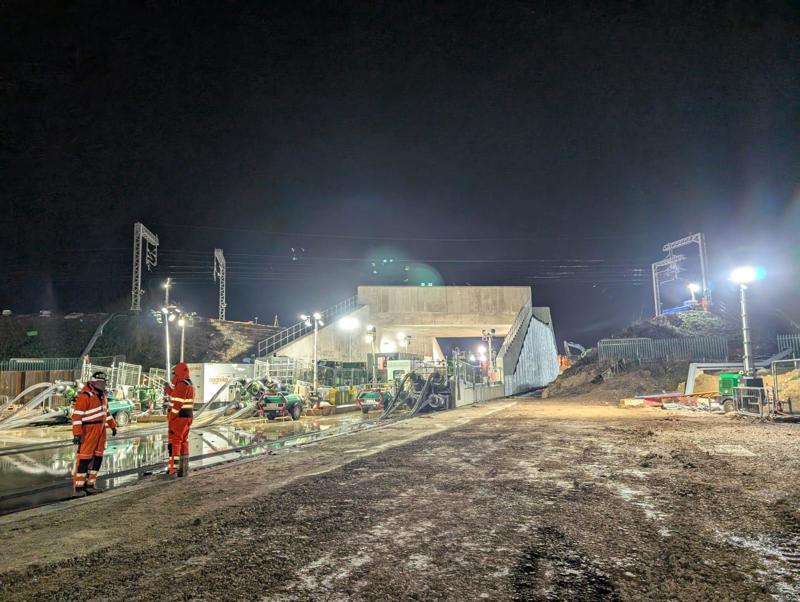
(219, 275)
(743, 276)
(147, 242)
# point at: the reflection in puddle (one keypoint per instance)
(146, 445)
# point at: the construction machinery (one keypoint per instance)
(425, 389)
(273, 400)
(373, 398)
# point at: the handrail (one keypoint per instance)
(512, 345)
(295, 331)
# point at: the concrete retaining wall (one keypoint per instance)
(480, 393)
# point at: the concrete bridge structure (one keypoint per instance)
(412, 319)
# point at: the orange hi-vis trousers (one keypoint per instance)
(178, 437)
(90, 455)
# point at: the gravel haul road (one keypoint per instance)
(513, 500)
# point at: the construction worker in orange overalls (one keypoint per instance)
(180, 397)
(90, 418)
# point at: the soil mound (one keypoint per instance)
(686, 324)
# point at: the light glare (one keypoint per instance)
(743, 275)
(348, 323)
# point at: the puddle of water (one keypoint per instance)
(131, 449)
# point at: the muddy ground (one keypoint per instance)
(526, 500)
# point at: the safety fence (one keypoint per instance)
(304, 327)
(709, 348)
(25, 364)
(19, 374)
(289, 371)
(789, 341)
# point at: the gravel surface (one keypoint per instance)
(533, 500)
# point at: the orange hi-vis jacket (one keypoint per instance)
(91, 408)
(181, 393)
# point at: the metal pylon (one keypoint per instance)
(147, 242)
(219, 276)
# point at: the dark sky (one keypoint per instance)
(566, 142)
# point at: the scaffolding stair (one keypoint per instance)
(272, 344)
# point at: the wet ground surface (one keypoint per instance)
(142, 445)
(536, 501)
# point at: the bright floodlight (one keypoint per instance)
(303, 317)
(369, 338)
(172, 317)
(370, 328)
(164, 310)
(482, 349)
(400, 336)
(181, 322)
(348, 323)
(743, 275)
(694, 287)
(317, 315)
(307, 322)
(320, 322)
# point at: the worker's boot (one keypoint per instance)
(79, 492)
(172, 473)
(183, 470)
(92, 489)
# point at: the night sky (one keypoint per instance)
(555, 144)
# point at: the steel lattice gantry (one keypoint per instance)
(669, 266)
(219, 276)
(145, 242)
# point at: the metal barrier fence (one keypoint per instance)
(295, 331)
(126, 374)
(17, 374)
(156, 376)
(650, 350)
(288, 371)
(789, 341)
(30, 364)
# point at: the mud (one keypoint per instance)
(539, 500)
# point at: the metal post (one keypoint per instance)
(374, 364)
(316, 322)
(491, 360)
(701, 243)
(166, 338)
(747, 355)
(656, 291)
(183, 336)
(167, 284)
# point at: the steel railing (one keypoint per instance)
(300, 329)
(789, 341)
(649, 350)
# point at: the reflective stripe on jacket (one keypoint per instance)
(91, 407)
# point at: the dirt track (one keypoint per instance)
(556, 500)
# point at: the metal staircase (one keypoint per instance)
(508, 355)
(290, 334)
